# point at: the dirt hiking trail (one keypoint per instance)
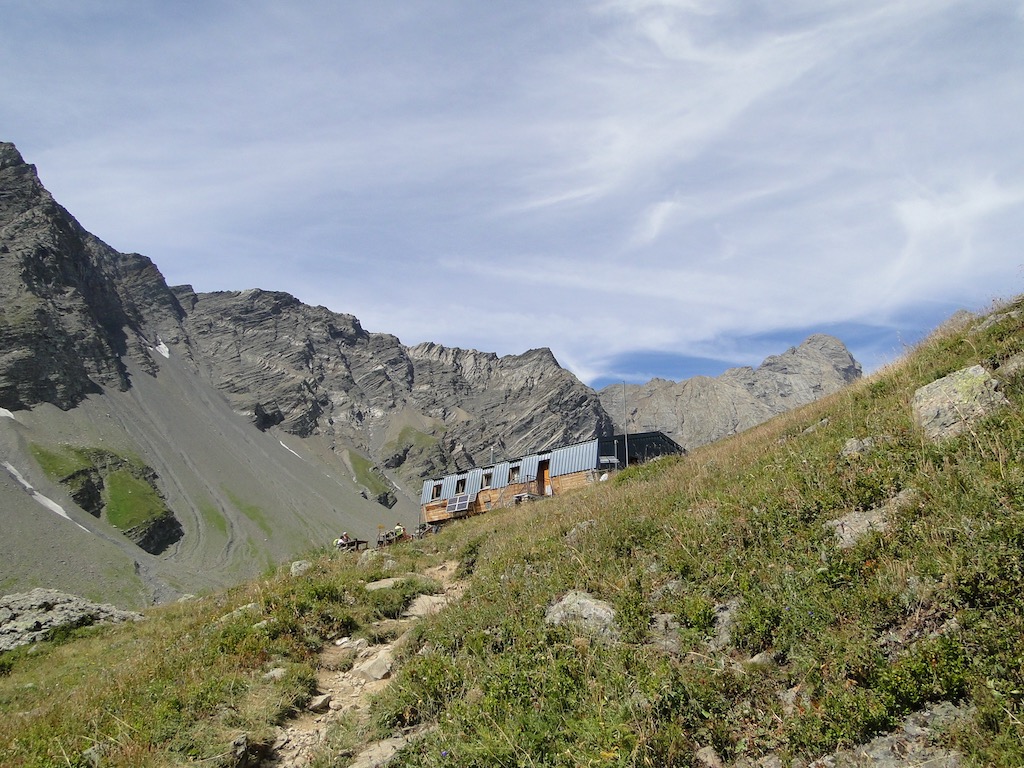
(349, 674)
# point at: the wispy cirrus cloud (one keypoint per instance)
(620, 180)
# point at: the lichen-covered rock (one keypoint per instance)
(585, 611)
(948, 406)
(32, 616)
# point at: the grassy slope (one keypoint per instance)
(929, 610)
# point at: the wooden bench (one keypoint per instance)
(352, 545)
(387, 538)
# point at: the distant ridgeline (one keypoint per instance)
(539, 474)
(173, 426)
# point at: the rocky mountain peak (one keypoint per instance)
(818, 351)
(703, 409)
(74, 309)
(9, 155)
(417, 409)
(225, 399)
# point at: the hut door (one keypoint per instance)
(544, 478)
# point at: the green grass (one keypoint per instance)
(412, 437)
(131, 501)
(181, 685)
(366, 476)
(130, 498)
(252, 511)
(743, 520)
(929, 610)
(214, 517)
(58, 464)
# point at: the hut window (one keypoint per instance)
(460, 485)
(435, 492)
(486, 481)
(513, 474)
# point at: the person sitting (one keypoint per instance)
(399, 531)
(344, 541)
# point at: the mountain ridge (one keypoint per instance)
(261, 424)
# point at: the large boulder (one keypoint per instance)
(580, 609)
(950, 405)
(33, 616)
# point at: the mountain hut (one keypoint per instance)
(540, 474)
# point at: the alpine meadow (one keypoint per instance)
(837, 586)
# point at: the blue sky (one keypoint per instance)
(647, 187)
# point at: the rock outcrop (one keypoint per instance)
(702, 409)
(71, 307)
(950, 405)
(586, 612)
(422, 410)
(33, 616)
(265, 424)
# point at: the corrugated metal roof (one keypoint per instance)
(473, 482)
(566, 460)
(574, 458)
(500, 478)
(428, 489)
(528, 471)
(448, 485)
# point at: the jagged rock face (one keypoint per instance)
(71, 307)
(74, 310)
(76, 315)
(172, 370)
(421, 410)
(701, 410)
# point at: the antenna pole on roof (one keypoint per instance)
(625, 424)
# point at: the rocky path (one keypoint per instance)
(349, 673)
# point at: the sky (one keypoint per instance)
(647, 187)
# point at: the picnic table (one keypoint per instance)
(385, 538)
(352, 545)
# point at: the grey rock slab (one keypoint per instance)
(389, 582)
(1011, 367)
(586, 611)
(379, 754)
(30, 616)
(665, 632)
(377, 668)
(725, 617)
(851, 528)
(950, 405)
(426, 605)
(320, 703)
(911, 746)
(707, 757)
